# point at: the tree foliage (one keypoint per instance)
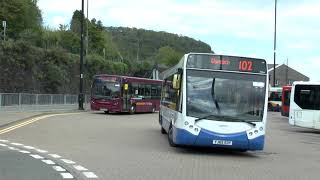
(43, 60)
(168, 56)
(20, 15)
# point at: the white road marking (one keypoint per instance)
(68, 161)
(13, 148)
(55, 155)
(58, 168)
(90, 175)
(80, 168)
(41, 151)
(36, 156)
(3, 140)
(66, 176)
(48, 162)
(25, 152)
(29, 147)
(3, 145)
(17, 144)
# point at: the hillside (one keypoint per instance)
(141, 44)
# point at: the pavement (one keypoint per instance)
(10, 114)
(123, 146)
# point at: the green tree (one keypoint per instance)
(20, 15)
(75, 24)
(168, 56)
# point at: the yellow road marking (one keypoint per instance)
(24, 123)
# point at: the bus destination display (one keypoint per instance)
(227, 63)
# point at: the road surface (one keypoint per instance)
(123, 146)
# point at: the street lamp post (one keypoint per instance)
(81, 95)
(275, 43)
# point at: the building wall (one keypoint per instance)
(281, 79)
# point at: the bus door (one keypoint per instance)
(305, 116)
(126, 97)
(316, 114)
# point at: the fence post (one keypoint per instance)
(0, 101)
(20, 100)
(37, 101)
(51, 101)
(65, 99)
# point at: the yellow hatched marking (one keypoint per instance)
(24, 123)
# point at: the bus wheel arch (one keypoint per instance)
(170, 136)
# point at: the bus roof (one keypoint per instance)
(181, 62)
(224, 55)
(306, 83)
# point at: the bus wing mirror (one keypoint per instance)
(176, 81)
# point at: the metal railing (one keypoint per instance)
(25, 101)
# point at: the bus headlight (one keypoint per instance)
(261, 128)
(191, 126)
(196, 129)
(250, 133)
(186, 123)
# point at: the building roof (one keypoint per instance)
(279, 65)
(270, 66)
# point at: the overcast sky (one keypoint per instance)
(231, 27)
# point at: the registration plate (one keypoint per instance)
(103, 109)
(222, 142)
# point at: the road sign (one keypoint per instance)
(4, 24)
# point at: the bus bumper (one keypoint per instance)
(205, 139)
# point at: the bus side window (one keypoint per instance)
(147, 91)
(141, 90)
(134, 90)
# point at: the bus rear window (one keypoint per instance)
(307, 96)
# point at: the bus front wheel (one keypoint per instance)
(133, 109)
(170, 137)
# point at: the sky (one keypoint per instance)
(230, 27)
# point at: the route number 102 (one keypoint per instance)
(245, 65)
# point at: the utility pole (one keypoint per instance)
(81, 95)
(104, 53)
(87, 37)
(287, 69)
(4, 24)
(275, 43)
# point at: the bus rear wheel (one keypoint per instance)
(170, 137)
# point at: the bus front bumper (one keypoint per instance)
(208, 139)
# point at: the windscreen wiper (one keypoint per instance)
(225, 118)
(218, 118)
(248, 122)
(234, 119)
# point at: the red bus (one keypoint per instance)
(112, 93)
(286, 92)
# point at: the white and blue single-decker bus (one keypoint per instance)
(215, 101)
